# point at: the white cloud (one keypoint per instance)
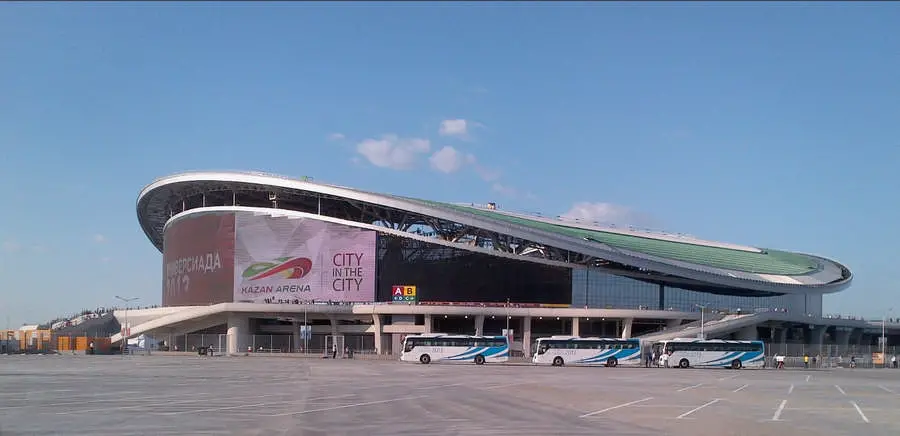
(393, 152)
(446, 160)
(336, 137)
(11, 246)
(606, 213)
(457, 127)
(98, 238)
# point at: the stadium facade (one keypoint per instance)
(261, 245)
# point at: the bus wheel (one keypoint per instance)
(558, 361)
(684, 363)
(425, 359)
(736, 364)
(479, 360)
(612, 362)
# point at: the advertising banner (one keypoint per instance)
(198, 260)
(403, 294)
(295, 260)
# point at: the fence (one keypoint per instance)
(275, 343)
(832, 356)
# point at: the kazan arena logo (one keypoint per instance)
(286, 267)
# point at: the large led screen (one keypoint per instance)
(291, 260)
(198, 260)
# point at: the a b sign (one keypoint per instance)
(403, 293)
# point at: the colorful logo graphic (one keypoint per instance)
(286, 267)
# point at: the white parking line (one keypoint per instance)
(791, 389)
(729, 377)
(615, 407)
(4, 394)
(439, 386)
(858, 410)
(214, 409)
(347, 406)
(886, 389)
(685, 414)
(111, 400)
(165, 403)
(508, 385)
(690, 387)
(808, 377)
(778, 411)
(740, 388)
(840, 390)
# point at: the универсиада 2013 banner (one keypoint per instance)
(198, 260)
(294, 260)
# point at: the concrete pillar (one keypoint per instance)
(748, 334)
(479, 325)
(379, 340)
(298, 340)
(856, 337)
(576, 329)
(396, 343)
(238, 332)
(673, 323)
(334, 325)
(526, 336)
(815, 339)
(626, 327)
(428, 324)
(781, 335)
(842, 339)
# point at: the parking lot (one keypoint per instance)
(165, 395)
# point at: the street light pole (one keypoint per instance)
(305, 329)
(702, 321)
(884, 338)
(507, 316)
(127, 329)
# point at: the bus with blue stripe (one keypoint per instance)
(712, 353)
(439, 347)
(574, 350)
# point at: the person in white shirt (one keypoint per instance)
(664, 360)
(779, 361)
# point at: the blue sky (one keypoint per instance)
(767, 124)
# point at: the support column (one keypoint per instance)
(673, 323)
(479, 325)
(842, 338)
(298, 339)
(856, 337)
(334, 325)
(815, 338)
(428, 324)
(397, 343)
(781, 335)
(526, 336)
(238, 331)
(576, 329)
(748, 334)
(626, 328)
(379, 340)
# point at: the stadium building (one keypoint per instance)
(252, 253)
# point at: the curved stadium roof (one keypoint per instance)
(721, 265)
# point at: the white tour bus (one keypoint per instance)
(437, 347)
(712, 353)
(573, 350)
